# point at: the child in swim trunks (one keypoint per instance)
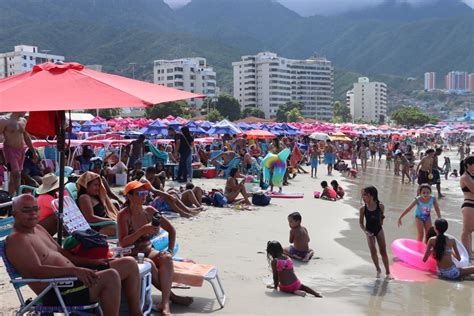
(424, 202)
(372, 212)
(299, 237)
(284, 276)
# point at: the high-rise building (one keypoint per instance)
(265, 81)
(456, 81)
(470, 82)
(430, 81)
(188, 74)
(368, 100)
(23, 58)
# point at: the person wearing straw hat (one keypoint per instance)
(47, 192)
(94, 203)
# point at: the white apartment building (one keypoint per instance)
(188, 74)
(23, 58)
(266, 81)
(430, 81)
(368, 100)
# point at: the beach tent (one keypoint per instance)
(50, 89)
(155, 128)
(205, 125)
(244, 126)
(224, 127)
(194, 128)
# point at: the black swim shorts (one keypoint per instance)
(78, 294)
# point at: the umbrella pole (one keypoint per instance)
(61, 144)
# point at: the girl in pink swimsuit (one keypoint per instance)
(283, 274)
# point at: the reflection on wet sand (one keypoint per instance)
(413, 292)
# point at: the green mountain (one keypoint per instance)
(116, 33)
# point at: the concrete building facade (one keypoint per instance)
(188, 74)
(470, 82)
(457, 81)
(265, 81)
(430, 81)
(368, 100)
(23, 58)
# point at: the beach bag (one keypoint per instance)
(88, 244)
(261, 199)
(4, 198)
(219, 200)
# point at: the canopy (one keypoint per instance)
(224, 127)
(260, 134)
(71, 86)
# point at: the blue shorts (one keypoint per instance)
(452, 273)
(294, 252)
(314, 162)
(329, 158)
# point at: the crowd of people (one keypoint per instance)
(137, 216)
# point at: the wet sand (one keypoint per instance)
(235, 241)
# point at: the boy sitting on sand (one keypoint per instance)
(299, 237)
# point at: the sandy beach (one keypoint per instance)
(235, 242)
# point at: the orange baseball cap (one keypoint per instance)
(133, 185)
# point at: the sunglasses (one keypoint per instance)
(142, 193)
(30, 209)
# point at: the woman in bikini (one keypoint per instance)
(372, 213)
(233, 188)
(94, 203)
(467, 208)
(137, 225)
(444, 249)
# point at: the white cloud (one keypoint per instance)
(325, 7)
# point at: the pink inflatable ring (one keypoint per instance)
(411, 252)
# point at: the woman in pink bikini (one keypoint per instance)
(283, 274)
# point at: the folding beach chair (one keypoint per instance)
(34, 305)
(234, 163)
(74, 220)
(194, 274)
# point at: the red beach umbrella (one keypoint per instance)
(259, 134)
(50, 89)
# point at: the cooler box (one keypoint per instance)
(209, 173)
(197, 173)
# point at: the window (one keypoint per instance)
(169, 78)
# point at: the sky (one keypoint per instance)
(325, 7)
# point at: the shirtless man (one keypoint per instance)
(13, 130)
(299, 237)
(425, 167)
(226, 156)
(35, 254)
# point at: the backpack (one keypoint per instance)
(89, 244)
(219, 200)
(261, 199)
(5, 197)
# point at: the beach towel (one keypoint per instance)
(190, 273)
